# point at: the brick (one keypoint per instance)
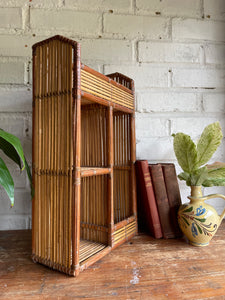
(66, 20)
(13, 3)
(22, 202)
(170, 7)
(155, 149)
(193, 126)
(106, 50)
(143, 75)
(46, 4)
(100, 5)
(168, 52)
(16, 100)
(16, 126)
(197, 30)
(12, 72)
(13, 123)
(167, 102)
(198, 78)
(15, 222)
(15, 46)
(136, 26)
(148, 126)
(214, 9)
(27, 148)
(215, 54)
(10, 18)
(214, 102)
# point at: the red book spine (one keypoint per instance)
(147, 208)
(173, 194)
(162, 200)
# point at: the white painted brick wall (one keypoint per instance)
(182, 8)
(193, 29)
(214, 9)
(169, 52)
(11, 18)
(83, 23)
(173, 49)
(136, 26)
(214, 54)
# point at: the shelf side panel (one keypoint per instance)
(53, 154)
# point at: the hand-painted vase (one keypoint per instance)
(199, 221)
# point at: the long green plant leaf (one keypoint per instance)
(214, 182)
(208, 143)
(185, 151)
(12, 147)
(199, 176)
(216, 175)
(10, 151)
(6, 181)
(29, 177)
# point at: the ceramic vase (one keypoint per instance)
(198, 220)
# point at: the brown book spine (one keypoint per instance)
(161, 200)
(173, 194)
(147, 208)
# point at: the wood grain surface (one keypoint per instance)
(144, 268)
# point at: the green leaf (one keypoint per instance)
(199, 176)
(6, 181)
(188, 209)
(199, 229)
(200, 220)
(185, 151)
(208, 143)
(10, 151)
(183, 176)
(186, 221)
(29, 177)
(216, 175)
(214, 182)
(12, 147)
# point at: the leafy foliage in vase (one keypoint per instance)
(12, 147)
(193, 157)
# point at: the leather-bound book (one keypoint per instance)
(162, 201)
(148, 217)
(173, 194)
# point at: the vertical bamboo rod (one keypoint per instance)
(133, 158)
(76, 163)
(48, 177)
(55, 153)
(53, 98)
(68, 88)
(110, 146)
(41, 206)
(34, 161)
(44, 156)
(61, 157)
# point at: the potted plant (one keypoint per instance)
(12, 147)
(198, 220)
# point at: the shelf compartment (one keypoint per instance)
(94, 209)
(105, 88)
(94, 136)
(88, 249)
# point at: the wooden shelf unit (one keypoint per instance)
(83, 159)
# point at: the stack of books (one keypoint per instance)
(158, 199)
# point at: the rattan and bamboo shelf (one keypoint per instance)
(83, 159)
